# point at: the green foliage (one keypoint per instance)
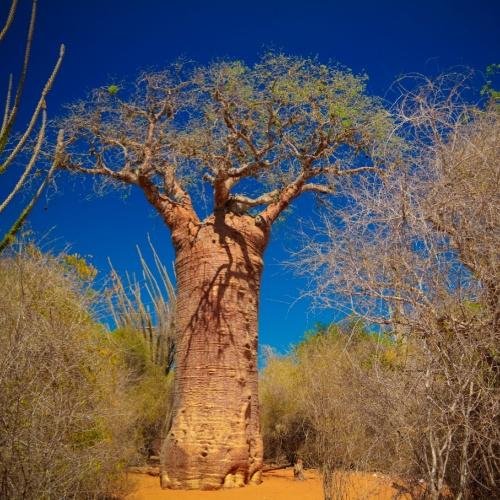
(492, 72)
(134, 351)
(113, 90)
(148, 388)
(370, 347)
(281, 121)
(282, 420)
(292, 102)
(88, 437)
(84, 270)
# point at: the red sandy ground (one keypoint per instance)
(277, 485)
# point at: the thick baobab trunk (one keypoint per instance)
(214, 440)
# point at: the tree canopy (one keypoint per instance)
(258, 135)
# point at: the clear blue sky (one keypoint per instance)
(112, 40)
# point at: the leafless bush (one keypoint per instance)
(67, 429)
(417, 250)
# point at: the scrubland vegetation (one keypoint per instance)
(417, 254)
(77, 403)
(407, 246)
(407, 385)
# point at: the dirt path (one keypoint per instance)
(277, 485)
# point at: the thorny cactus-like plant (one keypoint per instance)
(20, 149)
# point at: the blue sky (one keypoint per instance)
(112, 40)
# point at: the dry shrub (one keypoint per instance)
(66, 428)
(417, 251)
(329, 403)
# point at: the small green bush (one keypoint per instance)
(148, 389)
(326, 401)
(283, 422)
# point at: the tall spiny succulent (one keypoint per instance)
(147, 306)
(26, 148)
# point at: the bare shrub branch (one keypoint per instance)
(419, 253)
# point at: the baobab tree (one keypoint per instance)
(255, 138)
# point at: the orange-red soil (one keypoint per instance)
(277, 485)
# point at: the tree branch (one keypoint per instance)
(271, 213)
(249, 168)
(174, 214)
(299, 186)
(317, 188)
(175, 191)
(247, 202)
